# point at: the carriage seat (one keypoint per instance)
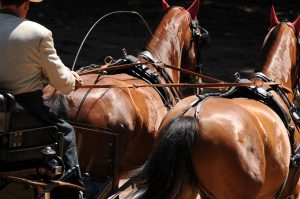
(24, 138)
(13, 116)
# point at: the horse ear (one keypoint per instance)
(165, 4)
(194, 8)
(274, 20)
(296, 24)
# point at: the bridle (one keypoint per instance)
(199, 39)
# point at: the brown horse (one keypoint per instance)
(136, 113)
(231, 147)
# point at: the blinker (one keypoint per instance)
(203, 39)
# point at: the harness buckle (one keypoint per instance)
(295, 159)
(295, 115)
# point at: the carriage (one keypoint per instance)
(31, 153)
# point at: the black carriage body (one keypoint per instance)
(23, 136)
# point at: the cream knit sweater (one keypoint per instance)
(28, 59)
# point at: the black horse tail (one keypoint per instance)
(170, 163)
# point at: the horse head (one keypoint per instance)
(177, 41)
(281, 51)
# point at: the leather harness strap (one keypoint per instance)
(165, 76)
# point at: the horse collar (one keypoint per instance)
(148, 56)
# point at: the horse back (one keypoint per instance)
(112, 106)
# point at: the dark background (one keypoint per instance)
(237, 29)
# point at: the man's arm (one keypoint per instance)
(59, 76)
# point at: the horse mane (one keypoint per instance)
(152, 44)
(268, 41)
(158, 21)
(172, 156)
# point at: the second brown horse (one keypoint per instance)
(231, 147)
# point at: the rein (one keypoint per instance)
(106, 67)
(217, 84)
(186, 85)
(190, 72)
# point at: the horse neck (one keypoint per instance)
(168, 41)
(281, 56)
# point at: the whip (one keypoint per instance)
(100, 19)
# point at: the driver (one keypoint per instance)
(28, 62)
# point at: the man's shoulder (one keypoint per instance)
(17, 22)
(34, 27)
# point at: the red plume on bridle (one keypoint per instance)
(296, 24)
(165, 4)
(193, 9)
(274, 20)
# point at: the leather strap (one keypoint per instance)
(184, 85)
(162, 65)
(52, 183)
(111, 68)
